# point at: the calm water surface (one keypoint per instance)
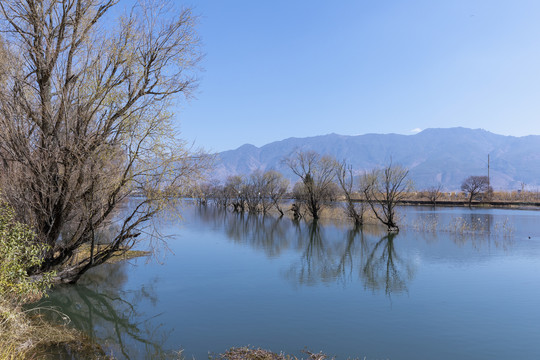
(453, 284)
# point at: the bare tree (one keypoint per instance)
(474, 186)
(434, 193)
(277, 188)
(234, 190)
(384, 189)
(84, 121)
(317, 175)
(271, 187)
(221, 195)
(255, 191)
(345, 177)
(203, 192)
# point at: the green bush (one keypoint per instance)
(19, 252)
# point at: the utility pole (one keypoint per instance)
(488, 173)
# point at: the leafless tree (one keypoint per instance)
(84, 120)
(384, 189)
(254, 190)
(221, 196)
(270, 187)
(277, 188)
(203, 192)
(317, 175)
(474, 186)
(234, 190)
(434, 193)
(345, 177)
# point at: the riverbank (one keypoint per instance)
(25, 333)
(464, 203)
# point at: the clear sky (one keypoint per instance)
(278, 69)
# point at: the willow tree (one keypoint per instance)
(384, 189)
(345, 177)
(85, 121)
(317, 175)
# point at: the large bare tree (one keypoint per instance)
(317, 175)
(85, 121)
(384, 189)
(474, 186)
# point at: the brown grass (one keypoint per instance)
(250, 353)
(24, 334)
(84, 253)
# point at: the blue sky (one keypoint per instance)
(278, 69)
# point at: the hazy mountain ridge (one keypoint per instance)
(445, 156)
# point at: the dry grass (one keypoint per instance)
(250, 353)
(84, 253)
(461, 226)
(25, 334)
(21, 333)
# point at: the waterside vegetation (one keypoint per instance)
(325, 185)
(89, 157)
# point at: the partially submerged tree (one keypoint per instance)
(317, 174)
(203, 192)
(84, 121)
(267, 190)
(474, 186)
(277, 187)
(254, 189)
(345, 177)
(384, 189)
(234, 190)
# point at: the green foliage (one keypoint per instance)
(18, 253)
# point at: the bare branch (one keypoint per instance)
(84, 120)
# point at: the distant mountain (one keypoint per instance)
(433, 156)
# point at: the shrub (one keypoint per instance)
(18, 253)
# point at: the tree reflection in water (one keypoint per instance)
(335, 260)
(315, 264)
(99, 307)
(385, 269)
(328, 254)
(266, 233)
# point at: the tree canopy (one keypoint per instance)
(475, 185)
(86, 122)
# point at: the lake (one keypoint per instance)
(454, 283)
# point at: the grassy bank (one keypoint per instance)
(24, 334)
(27, 334)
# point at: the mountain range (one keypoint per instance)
(433, 156)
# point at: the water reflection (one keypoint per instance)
(328, 254)
(384, 268)
(315, 264)
(450, 291)
(266, 233)
(328, 260)
(99, 307)
(473, 227)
